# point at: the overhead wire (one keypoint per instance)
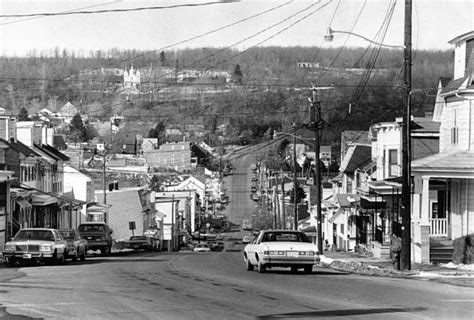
(83, 12)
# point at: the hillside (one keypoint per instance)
(203, 86)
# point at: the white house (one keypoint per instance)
(443, 199)
(81, 185)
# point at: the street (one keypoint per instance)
(216, 285)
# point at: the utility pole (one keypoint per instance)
(295, 183)
(405, 254)
(104, 178)
(315, 118)
(283, 209)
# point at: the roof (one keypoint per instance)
(357, 156)
(424, 125)
(455, 162)
(355, 136)
(463, 37)
(456, 84)
(21, 148)
(52, 152)
(424, 147)
(345, 200)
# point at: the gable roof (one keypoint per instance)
(423, 147)
(356, 156)
(52, 152)
(21, 148)
(455, 162)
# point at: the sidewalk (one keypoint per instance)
(353, 262)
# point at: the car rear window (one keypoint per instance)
(44, 235)
(91, 227)
(285, 236)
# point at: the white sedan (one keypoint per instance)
(281, 248)
(201, 247)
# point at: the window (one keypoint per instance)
(393, 162)
(454, 129)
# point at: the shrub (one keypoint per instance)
(463, 249)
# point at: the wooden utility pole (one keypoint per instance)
(315, 118)
(283, 212)
(104, 178)
(405, 254)
(295, 183)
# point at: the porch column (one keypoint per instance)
(424, 227)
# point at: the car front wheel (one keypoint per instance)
(249, 265)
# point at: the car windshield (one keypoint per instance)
(137, 238)
(285, 236)
(91, 227)
(67, 234)
(44, 235)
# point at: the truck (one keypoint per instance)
(98, 236)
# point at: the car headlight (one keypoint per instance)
(9, 247)
(45, 248)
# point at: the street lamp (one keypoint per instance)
(405, 254)
(329, 37)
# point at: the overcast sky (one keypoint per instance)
(435, 22)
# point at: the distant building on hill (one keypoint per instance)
(307, 65)
(131, 78)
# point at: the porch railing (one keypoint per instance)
(439, 227)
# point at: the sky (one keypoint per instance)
(290, 23)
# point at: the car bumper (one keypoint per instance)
(285, 261)
(27, 255)
(93, 245)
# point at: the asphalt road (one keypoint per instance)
(216, 286)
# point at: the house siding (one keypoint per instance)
(463, 220)
(455, 112)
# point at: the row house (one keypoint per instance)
(176, 156)
(35, 197)
(381, 192)
(443, 197)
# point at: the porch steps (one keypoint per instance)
(441, 253)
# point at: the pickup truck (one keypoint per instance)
(98, 236)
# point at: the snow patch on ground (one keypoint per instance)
(466, 267)
(326, 260)
(424, 274)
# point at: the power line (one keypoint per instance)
(38, 17)
(64, 13)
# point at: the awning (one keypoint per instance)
(372, 203)
(24, 205)
(336, 215)
(43, 200)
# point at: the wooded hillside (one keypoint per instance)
(266, 95)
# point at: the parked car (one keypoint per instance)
(215, 245)
(201, 247)
(139, 243)
(98, 236)
(281, 248)
(76, 245)
(36, 245)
